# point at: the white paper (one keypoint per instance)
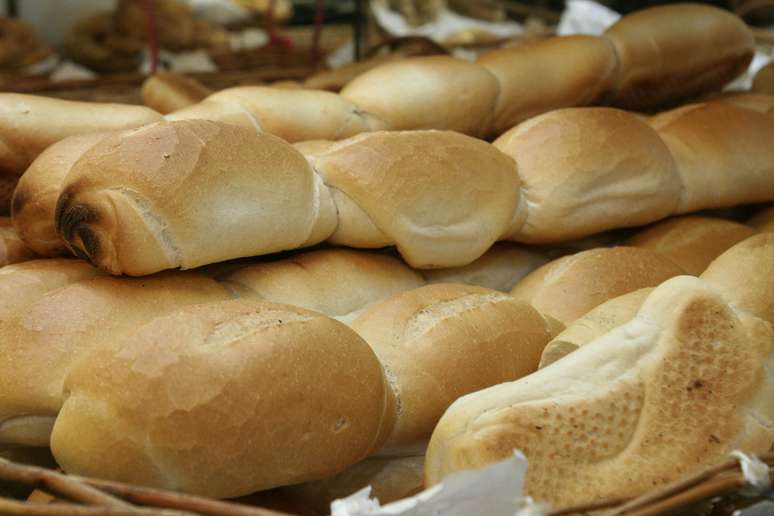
(585, 17)
(219, 12)
(744, 81)
(495, 490)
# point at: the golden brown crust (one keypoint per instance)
(763, 82)
(7, 186)
(167, 92)
(12, 249)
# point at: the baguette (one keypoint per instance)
(256, 395)
(631, 410)
(292, 114)
(29, 124)
(34, 200)
(763, 220)
(484, 336)
(570, 286)
(12, 249)
(41, 342)
(691, 242)
(167, 92)
(668, 54)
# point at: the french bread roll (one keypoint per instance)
(745, 275)
(763, 82)
(587, 170)
(23, 283)
(485, 337)
(500, 268)
(12, 249)
(168, 91)
(39, 344)
(597, 322)
(224, 399)
(29, 124)
(292, 114)
(433, 92)
(763, 220)
(184, 194)
(723, 152)
(631, 410)
(691, 242)
(671, 53)
(573, 71)
(34, 200)
(403, 188)
(336, 282)
(756, 101)
(568, 287)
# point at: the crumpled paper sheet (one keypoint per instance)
(589, 17)
(495, 490)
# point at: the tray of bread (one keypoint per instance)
(263, 299)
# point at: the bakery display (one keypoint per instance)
(278, 291)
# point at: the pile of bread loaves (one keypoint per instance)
(496, 318)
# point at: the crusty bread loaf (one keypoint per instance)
(666, 395)
(573, 71)
(184, 194)
(570, 286)
(586, 170)
(763, 220)
(763, 82)
(336, 78)
(723, 152)
(500, 268)
(600, 320)
(336, 282)
(23, 283)
(483, 336)
(441, 197)
(34, 201)
(224, 399)
(29, 124)
(745, 275)
(40, 343)
(671, 53)
(292, 114)
(691, 242)
(12, 249)
(756, 101)
(435, 92)
(166, 92)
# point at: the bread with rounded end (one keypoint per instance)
(39, 344)
(662, 397)
(34, 200)
(574, 70)
(568, 287)
(224, 399)
(692, 242)
(587, 170)
(292, 114)
(441, 341)
(675, 52)
(29, 124)
(166, 92)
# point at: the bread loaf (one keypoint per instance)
(763, 220)
(23, 283)
(292, 114)
(723, 152)
(745, 275)
(763, 82)
(671, 53)
(435, 92)
(483, 336)
(336, 282)
(224, 399)
(34, 201)
(29, 124)
(573, 71)
(185, 194)
(500, 268)
(598, 321)
(584, 171)
(12, 249)
(39, 344)
(629, 411)
(570, 286)
(756, 101)
(691, 242)
(167, 92)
